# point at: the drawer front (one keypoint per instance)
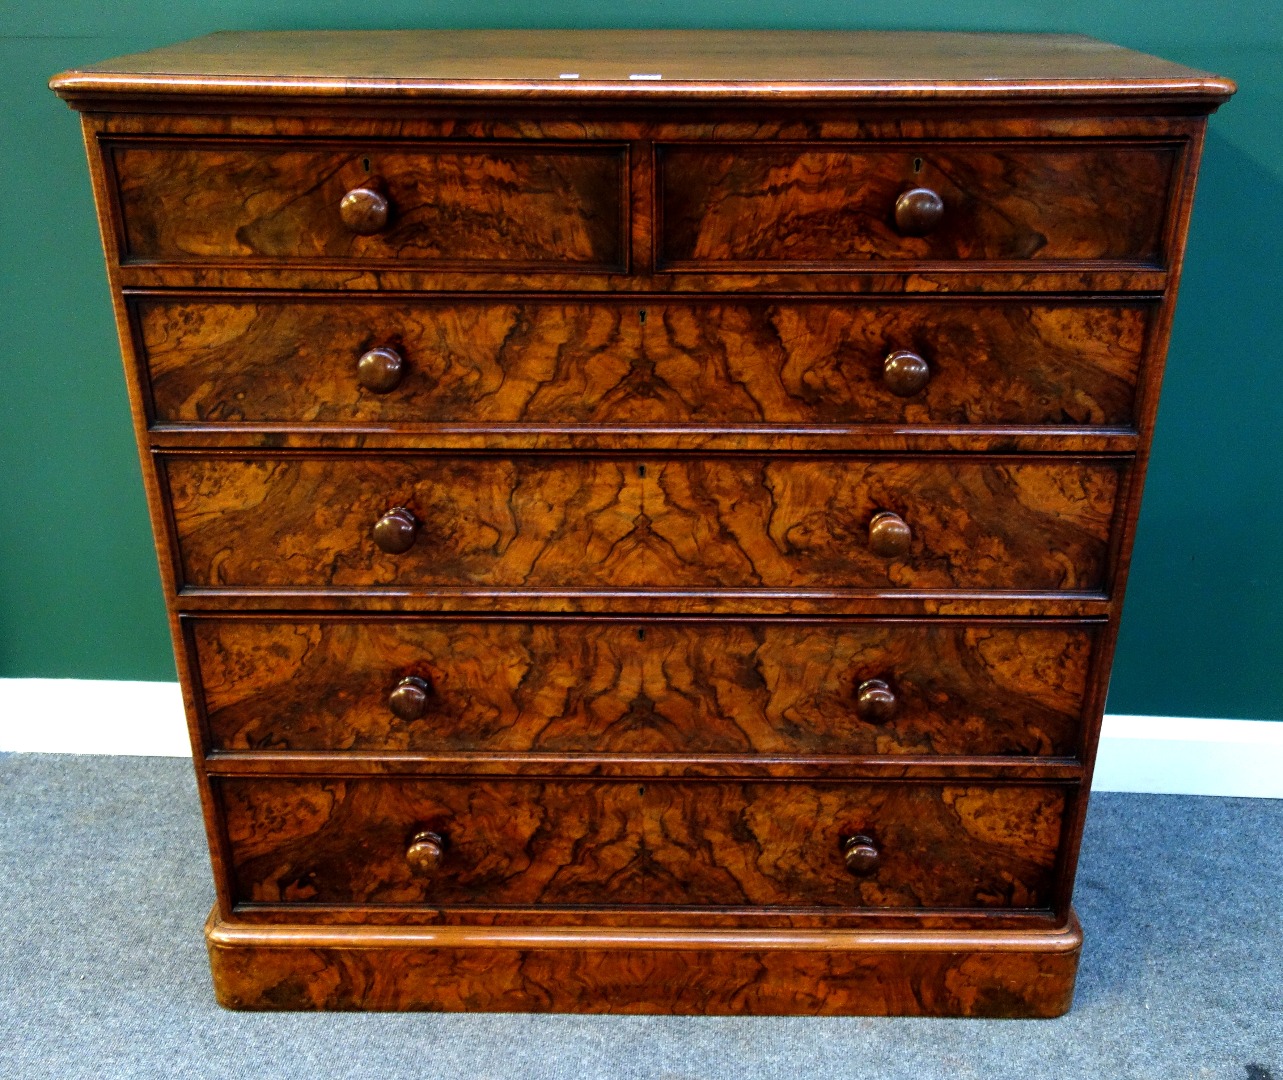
(652, 843)
(555, 522)
(644, 361)
(514, 206)
(817, 205)
(652, 687)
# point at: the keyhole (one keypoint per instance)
(641, 633)
(641, 791)
(365, 164)
(917, 164)
(641, 315)
(641, 470)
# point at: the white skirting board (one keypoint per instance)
(1154, 754)
(92, 716)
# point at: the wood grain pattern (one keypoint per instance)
(709, 65)
(788, 205)
(762, 122)
(654, 687)
(660, 843)
(644, 361)
(471, 207)
(1007, 768)
(1007, 974)
(1067, 171)
(554, 522)
(710, 439)
(870, 278)
(738, 603)
(780, 121)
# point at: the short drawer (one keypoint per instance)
(656, 687)
(647, 360)
(549, 521)
(556, 843)
(760, 206)
(515, 206)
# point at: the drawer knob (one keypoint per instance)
(365, 209)
(425, 853)
(380, 370)
(905, 373)
(889, 536)
(861, 854)
(395, 531)
(875, 701)
(918, 211)
(409, 699)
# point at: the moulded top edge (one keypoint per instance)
(646, 65)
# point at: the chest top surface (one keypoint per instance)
(647, 64)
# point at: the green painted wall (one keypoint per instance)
(1202, 634)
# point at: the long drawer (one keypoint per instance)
(600, 686)
(554, 843)
(645, 360)
(554, 521)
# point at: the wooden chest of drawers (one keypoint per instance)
(644, 515)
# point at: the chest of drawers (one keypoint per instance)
(644, 516)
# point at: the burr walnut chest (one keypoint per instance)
(644, 515)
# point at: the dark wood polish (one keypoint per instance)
(661, 843)
(1022, 973)
(379, 370)
(876, 701)
(905, 373)
(714, 523)
(644, 545)
(410, 698)
(395, 531)
(861, 854)
(578, 362)
(463, 206)
(820, 205)
(651, 687)
(918, 212)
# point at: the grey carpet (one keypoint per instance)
(103, 974)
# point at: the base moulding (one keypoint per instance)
(983, 973)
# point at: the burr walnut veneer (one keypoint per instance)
(644, 515)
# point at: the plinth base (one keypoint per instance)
(1007, 973)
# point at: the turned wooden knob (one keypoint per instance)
(409, 698)
(918, 211)
(861, 854)
(380, 370)
(395, 531)
(425, 852)
(889, 535)
(905, 373)
(875, 701)
(365, 209)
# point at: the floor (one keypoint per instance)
(105, 886)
